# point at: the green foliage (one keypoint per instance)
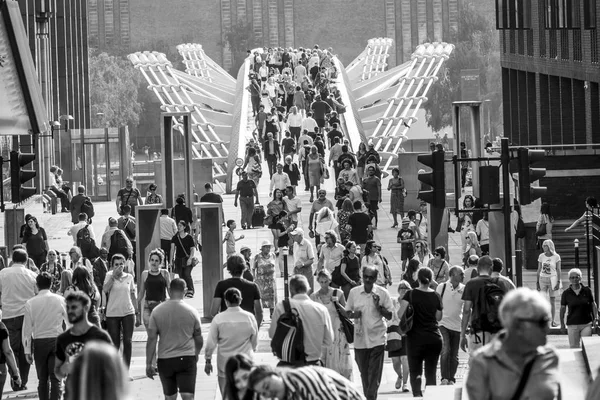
(114, 87)
(239, 38)
(476, 47)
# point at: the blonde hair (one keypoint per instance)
(550, 244)
(98, 373)
(473, 236)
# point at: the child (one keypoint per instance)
(230, 238)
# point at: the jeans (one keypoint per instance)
(247, 208)
(15, 326)
(3, 374)
(449, 356)
(44, 355)
(185, 272)
(272, 164)
(116, 325)
(576, 332)
(421, 350)
(370, 365)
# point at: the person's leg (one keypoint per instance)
(187, 277)
(15, 326)
(397, 365)
(362, 361)
(186, 378)
(167, 375)
(404, 361)
(453, 356)
(113, 327)
(40, 356)
(128, 325)
(431, 356)
(56, 385)
(552, 306)
(3, 372)
(415, 367)
(445, 355)
(375, 370)
(574, 338)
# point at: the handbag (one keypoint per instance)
(406, 321)
(394, 344)
(346, 323)
(541, 230)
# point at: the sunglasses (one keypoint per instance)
(540, 322)
(369, 276)
(575, 277)
(418, 246)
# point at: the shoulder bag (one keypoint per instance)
(346, 323)
(541, 230)
(406, 321)
(194, 260)
(523, 380)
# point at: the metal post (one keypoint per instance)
(576, 245)
(506, 208)
(519, 262)
(286, 289)
(588, 246)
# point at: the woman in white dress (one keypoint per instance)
(337, 356)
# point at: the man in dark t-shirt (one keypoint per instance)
(250, 293)
(361, 226)
(211, 197)
(71, 342)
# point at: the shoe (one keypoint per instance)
(312, 199)
(375, 228)
(394, 226)
(405, 389)
(451, 230)
(554, 324)
(398, 383)
(451, 382)
(444, 382)
(244, 227)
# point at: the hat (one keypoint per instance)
(152, 186)
(245, 248)
(297, 231)
(265, 243)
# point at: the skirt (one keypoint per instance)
(397, 202)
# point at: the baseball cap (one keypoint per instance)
(297, 231)
(265, 243)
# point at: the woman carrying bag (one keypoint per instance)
(543, 227)
(183, 252)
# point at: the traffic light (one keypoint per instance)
(436, 179)
(528, 175)
(18, 177)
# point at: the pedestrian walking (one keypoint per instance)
(398, 354)
(451, 293)
(264, 275)
(35, 241)
(397, 189)
(424, 340)
(518, 363)
(179, 345)
(121, 306)
(53, 267)
(154, 288)
(232, 332)
(246, 192)
(77, 204)
(7, 357)
(82, 280)
(71, 342)
(43, 322)
(182, 255)
(313, 315)
(360, 226)
(181, 212)
(368, 304)
(304, 256)
(582, 316)
(128, 195)
(116, 241)
(168, 229)
(548, 275)
(17, 286)
(153, 197)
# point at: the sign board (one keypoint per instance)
(22, 108)
(470, 87)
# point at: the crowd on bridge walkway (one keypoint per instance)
(69, 312)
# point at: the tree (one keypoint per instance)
(114, 86)
(476, 47)
(239, 38)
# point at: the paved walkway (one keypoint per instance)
(207, 389)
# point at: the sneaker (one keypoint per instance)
(444, 382)
(451, 382)
(405, 389)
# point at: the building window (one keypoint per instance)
(577, 56)
(513, 14)
(589, 14)
(563, 14)
(552, 44)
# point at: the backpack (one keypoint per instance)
(490, 297)
(88, 208)
(406, 322)
(521, 231)
(118, 244)
(86, 243)
(288, 341)
(365, 196)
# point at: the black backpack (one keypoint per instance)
(118, 244)
(86, 243)
(288, 341)
(490, 297)
(88, 208)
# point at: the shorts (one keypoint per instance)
(406, 253)
(546, 286)
(320, 122)
(149, 306)
(177, 373)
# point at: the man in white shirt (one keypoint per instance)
(17, 285)
(304, 256)
(312, 314)
(43, 322)
(331, 254)
(369, 304)
(293, 205)
(279, 180)
(168, 229)
(309, 124)
(451, 294)
(74, 230)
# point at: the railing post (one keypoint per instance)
(576, 245)
(518, 270)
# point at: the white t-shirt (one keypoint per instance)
(548, 264)
(293, 205)
(453, 305)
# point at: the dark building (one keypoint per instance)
(551, 91)
(68, 84)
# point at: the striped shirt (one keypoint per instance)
(316, 383)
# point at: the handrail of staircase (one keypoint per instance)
(355, 130)
(239, 126)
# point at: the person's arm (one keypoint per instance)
(27, 331)
(345, 276)
(151, 348)
(235, 200)
(118, 204)
(254, 336)
(256, 195)
(477, 381)
(211, 341)
(198, 340)
(385, 309)
(537, 280)
(108, 282)
(466, 318)
(215, 306)
(563, 311)
(310, 219)
(142, 289)
(379, 190)
(61, 367)
(133, 295)
(577, 222)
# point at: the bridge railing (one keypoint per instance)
(239, 127)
